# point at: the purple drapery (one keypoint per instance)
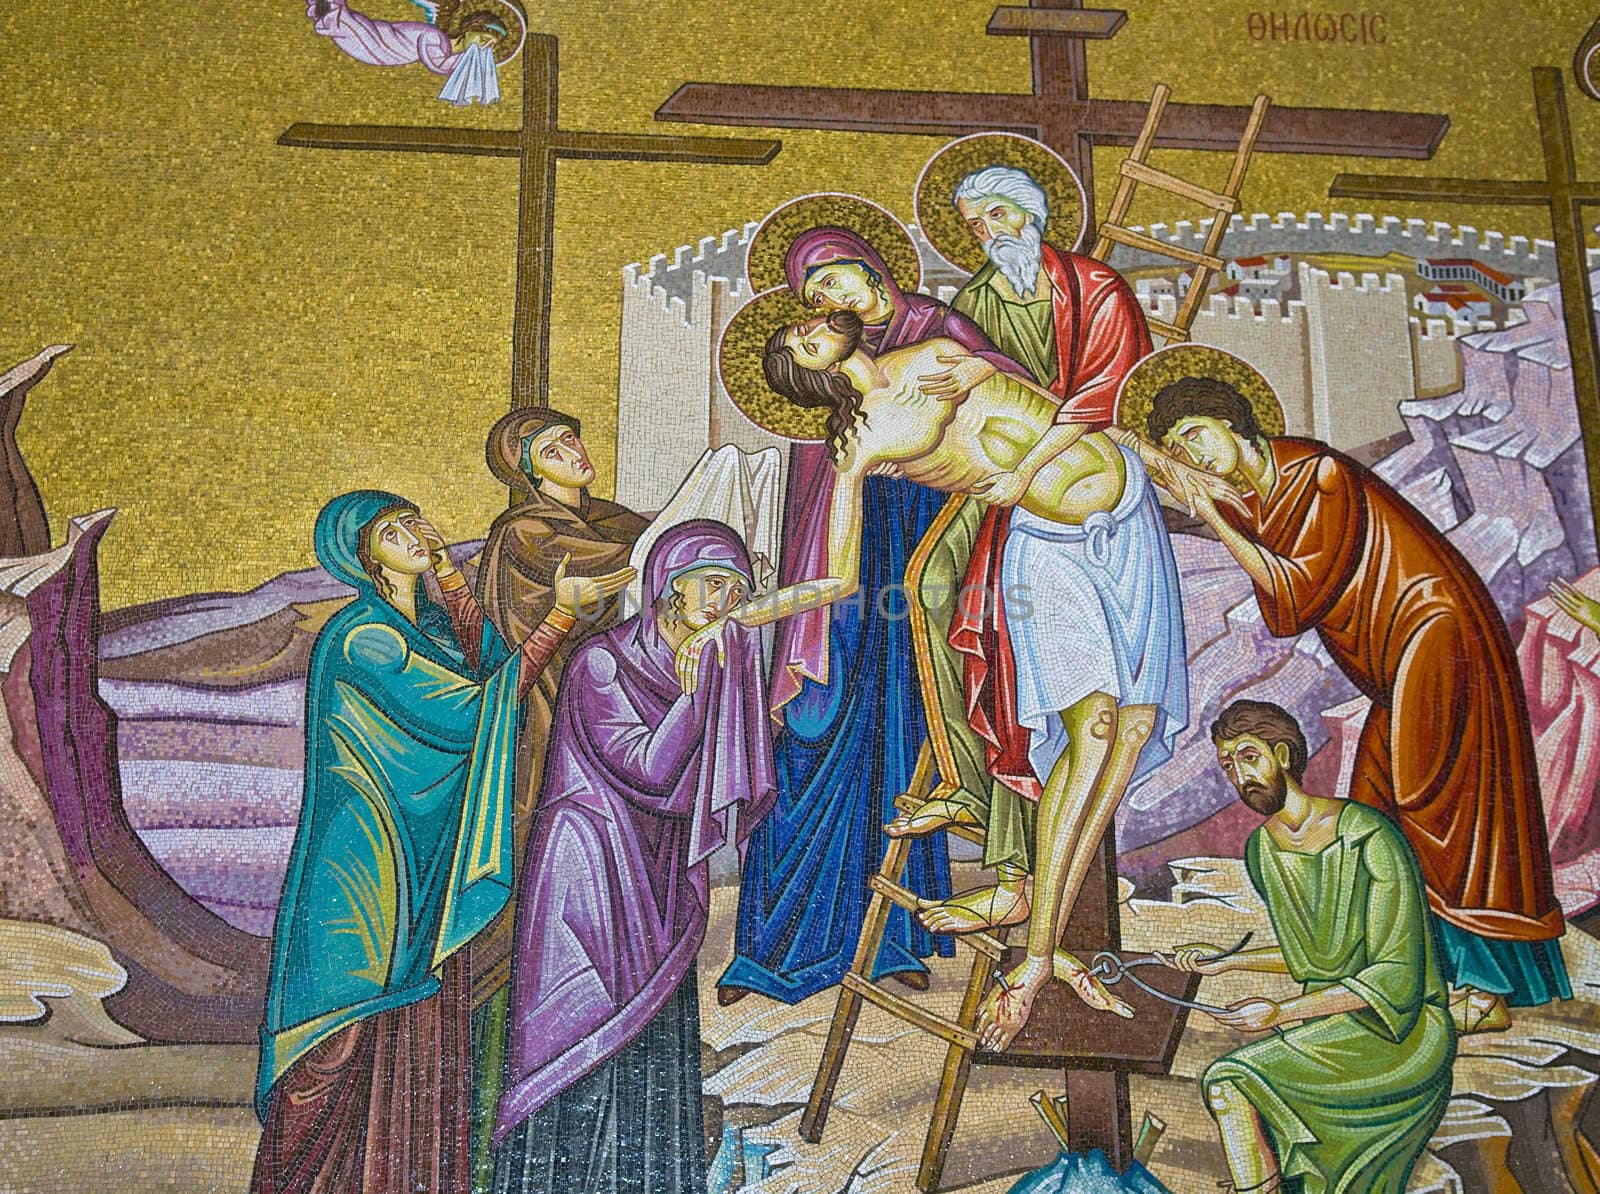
(637, 785)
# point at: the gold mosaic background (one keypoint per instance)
(259, 328)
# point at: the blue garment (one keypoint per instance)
(1527, 973)
(403, 851)
(849, 748)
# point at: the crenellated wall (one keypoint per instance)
(1261, 235)
(1359, 343)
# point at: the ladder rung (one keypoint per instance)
(1162, 181)
(895, 894)
(946, 1030)
(1162, 328)
(907, 803)
(1137, 240)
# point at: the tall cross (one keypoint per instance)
(539, 143)
(1563, 195)
(1059, 110)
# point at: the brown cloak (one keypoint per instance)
(1447, 750)
(517, 569)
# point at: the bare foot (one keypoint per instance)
(1479, 1011)
(1006, 1010)
(1087, 987)
(933, 814)
(976, 910)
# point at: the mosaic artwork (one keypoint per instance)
(800, 598)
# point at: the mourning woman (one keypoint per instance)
(603, 1068)
(403, 853)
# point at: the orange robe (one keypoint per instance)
(1447, 750)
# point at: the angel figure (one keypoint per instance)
(465, 40)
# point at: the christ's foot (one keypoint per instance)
(976, 910)
(1087, 987)
(1006, 1010)
(933, 814)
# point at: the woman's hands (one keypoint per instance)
(693, 647)
(961, 374)
(419, 526)
(579, 596)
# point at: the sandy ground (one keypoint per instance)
(85, 1109)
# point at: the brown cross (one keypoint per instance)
(539, 143)
(1564, 196)
(1058, 111)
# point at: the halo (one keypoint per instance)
(739, 354)
(502, 450)
(1167, 365)
(942, 224)
(874, 224)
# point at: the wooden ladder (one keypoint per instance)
(1137, 169)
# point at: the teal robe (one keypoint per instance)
(404, 848)
(1350, 1100)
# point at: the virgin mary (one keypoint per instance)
(844, 682)
(603, 1070)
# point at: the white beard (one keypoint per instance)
(1019, 258)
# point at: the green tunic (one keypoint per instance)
(1024, 331)
(1350, 1100)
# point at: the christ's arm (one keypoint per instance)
(844, 557)
(844, 567)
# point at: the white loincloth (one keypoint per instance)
(1096, 608)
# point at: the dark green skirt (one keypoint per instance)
(633, 1126)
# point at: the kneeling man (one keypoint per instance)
(1347, 1097)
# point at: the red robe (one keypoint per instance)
(1447, 750)
(1100, 336)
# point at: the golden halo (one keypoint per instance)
(503, 447)
(942, 224)
(873, 224)
(1167, 365)
(744, 342)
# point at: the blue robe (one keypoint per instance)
(849, 748)
(403, 851)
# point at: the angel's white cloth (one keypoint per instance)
(475, 77)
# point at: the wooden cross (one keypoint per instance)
(1058, 111)
(1564, 196)
(539, 143)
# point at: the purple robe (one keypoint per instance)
(802, 640)
(637, 784)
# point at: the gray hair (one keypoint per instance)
(1008, 182)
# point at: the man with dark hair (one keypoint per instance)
(1344, 1100)
(1447, 749)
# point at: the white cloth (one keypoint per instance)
(734, 487)
(1096, 608)
(475, 76)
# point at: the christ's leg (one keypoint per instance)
(1065, 808)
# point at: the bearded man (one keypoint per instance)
(1347, 1094)
(1076, 328)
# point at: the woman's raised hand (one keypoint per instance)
(580, 596)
